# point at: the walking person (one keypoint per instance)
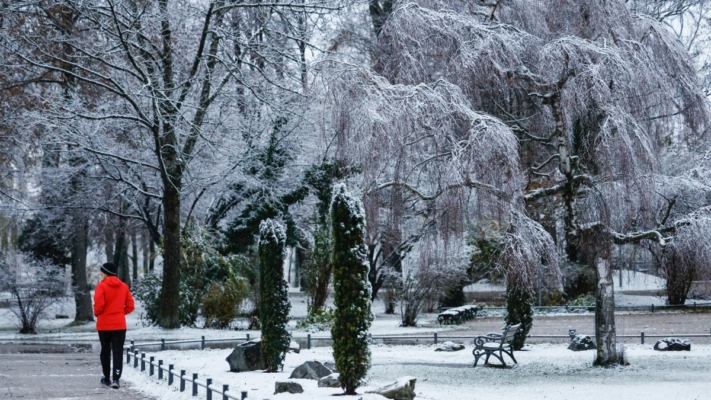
(112, 301)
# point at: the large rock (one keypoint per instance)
(449, 346)
(582, 343)
(310, 370)
(402, 389)
(331, 366)
(330, 381)
(287, 387)
(246, 356)
(672, 344)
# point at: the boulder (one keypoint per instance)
(293, 346)
(287, 387)
(331, 366)
(310, 370)
(330, 381)
(246, 356)
(402, 389)
(582, 343)
(672, 344)
(449, 346)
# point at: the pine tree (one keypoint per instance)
(275, 306)
(352, 290)
(519, 311)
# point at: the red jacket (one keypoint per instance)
(112, 301)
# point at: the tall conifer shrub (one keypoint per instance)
(351, 290)
(274, 308)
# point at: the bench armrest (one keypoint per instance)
(479, 341)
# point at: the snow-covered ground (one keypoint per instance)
(543, 372)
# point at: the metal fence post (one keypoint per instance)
(202, 344)
(652, 308)
(128, 356)
(162, 344)
(170, 374)
(641, 336)
(435, 338)
(150, 368)
(143, 362)
(308, 341)
(132, 345)
(248, 337)
(182, 380)
(194, 384)
(208, 396)
(225, 388)
(244, 395)
(160, 369)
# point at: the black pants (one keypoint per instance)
(112, 341)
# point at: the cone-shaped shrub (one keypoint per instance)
(519, 310)
(351, 290)
(274, 308)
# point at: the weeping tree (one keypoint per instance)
(274, 306)
(449, 162)
(581, 103)
(351, 290)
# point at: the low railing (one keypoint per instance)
(209, 386)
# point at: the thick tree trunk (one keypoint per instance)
(170, 291)
(82, 293)
(605, 334)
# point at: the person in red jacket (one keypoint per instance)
(112, 301)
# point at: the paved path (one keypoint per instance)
(35, 374)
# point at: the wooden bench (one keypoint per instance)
(496, 345)
(455, 315)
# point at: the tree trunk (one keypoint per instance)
(121, 254)
(134, 252)
(170, 290)
(146, 252)
(109, 239)
(151, 251)
(605, 334)
(82, 293)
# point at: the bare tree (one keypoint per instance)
(179, 88)
(35, 286)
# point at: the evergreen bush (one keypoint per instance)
(519, 310)
(317, 268)
(317, 320)
(221, 303)
(275, 306)
(351, 290)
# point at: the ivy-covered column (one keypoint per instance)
(275, 306)
(351, 290)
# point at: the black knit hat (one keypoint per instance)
(109, 269)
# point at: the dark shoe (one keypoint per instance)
(115, 384)
(105, 382)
